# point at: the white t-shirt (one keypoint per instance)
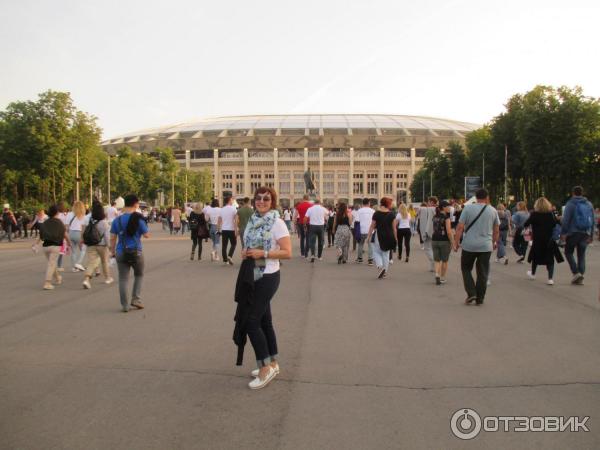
(403, 223)
(111, 213)
(63, 217)
(278, 231)
(74, 223)
(316, 215)
(365, 216)
(286, 215)
(228, 217)
(213, 214)
(354, 216)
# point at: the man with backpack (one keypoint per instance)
(95, 237)
(577, 231)
(126, 245)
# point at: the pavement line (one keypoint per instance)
(325, 383)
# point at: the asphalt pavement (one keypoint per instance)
(365, 363)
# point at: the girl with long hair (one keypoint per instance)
(342, 232)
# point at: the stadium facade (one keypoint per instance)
(351, 156)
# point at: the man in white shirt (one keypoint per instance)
(111, 212)
(212, 214)
(226, 224)
(365, 217)
(316, 215)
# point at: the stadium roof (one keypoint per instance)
(274, 124)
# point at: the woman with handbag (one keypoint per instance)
(198, 230)
(266, 240)
(544, 249)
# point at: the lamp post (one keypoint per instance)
(108, 193)
(506, 174)
(77, 174)
(173, 189)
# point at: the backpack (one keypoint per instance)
(584, 216)
(439, 225)
(91, 235)
(193, 221)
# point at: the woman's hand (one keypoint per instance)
(255, 253)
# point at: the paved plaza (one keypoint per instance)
(366, 363)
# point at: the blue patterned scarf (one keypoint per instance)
(258, 235)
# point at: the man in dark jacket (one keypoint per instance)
(577, 231)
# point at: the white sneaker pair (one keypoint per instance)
(257, 383)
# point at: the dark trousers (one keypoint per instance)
(196, 242)
(550, 268)
(519, 243)
(260, 322)
(228, 236)
(330, 236)
(8, 228)
(316, 233)
(481, 260)
(404, 236)
(303, 233)
(577, 241)
(124, 267)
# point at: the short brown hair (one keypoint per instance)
(268, 190)
(433, 199)
(386, 202)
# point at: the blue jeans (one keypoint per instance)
(502, 245)
(577, 241)
(77, 253)
(361, 246)
(214, 237)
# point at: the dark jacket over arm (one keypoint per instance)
(244, 294)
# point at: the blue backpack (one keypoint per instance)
(584, 216)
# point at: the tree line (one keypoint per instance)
(39, 143)
(552, 140)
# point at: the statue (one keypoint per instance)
(308, 182)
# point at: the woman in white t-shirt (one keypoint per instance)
(404, 231)
(212, 214)
(75, 222)
(267, 240)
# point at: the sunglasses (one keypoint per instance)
(262, 198)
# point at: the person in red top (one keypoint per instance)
(301, 226)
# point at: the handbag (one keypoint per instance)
(527, 234)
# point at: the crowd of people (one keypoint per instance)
(98, 238)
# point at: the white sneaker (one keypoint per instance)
(550, 282)
(109, 280)
(257, 383)
(87, 284)
(74, 270)
(80, 267)
(254, 373)
(530, 275)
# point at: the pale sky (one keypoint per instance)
(138, 64)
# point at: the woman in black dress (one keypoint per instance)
(544, 249)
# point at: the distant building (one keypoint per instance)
(352, 156)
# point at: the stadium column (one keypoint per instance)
(216, 172)
(381, 172)
(351, 177)
(276, 169)
(187, 160)
(411, 174)
(321, 172)
(246, 175)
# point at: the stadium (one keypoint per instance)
(351, 156)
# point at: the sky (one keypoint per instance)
(139, 64)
